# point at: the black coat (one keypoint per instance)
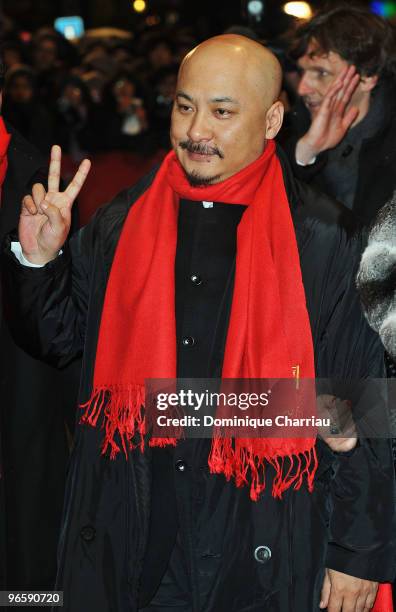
(36, 400)
(377, 160)
(55, 313)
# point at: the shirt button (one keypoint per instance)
(88, 533)
(196, 279)
(181, 465)
(188, 341)
(262, 554)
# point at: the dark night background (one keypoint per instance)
(31, 14)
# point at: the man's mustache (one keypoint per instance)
(202, 149)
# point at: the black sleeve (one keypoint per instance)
(46, 308)
(299, 123)
(362, 527)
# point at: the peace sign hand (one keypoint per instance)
(45, 218)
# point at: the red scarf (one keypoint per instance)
(269, 331)
(384, 599)
(4, 142)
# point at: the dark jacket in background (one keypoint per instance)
(348, 522)
(376, 178)
(36, 401)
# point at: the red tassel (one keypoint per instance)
(161, 442)
(122, 412)
(290, 470)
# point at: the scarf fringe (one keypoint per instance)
(120, 409)
(234, 461)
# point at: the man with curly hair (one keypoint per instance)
(343, 129)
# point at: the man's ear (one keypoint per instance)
(274, 120)
(367, 83)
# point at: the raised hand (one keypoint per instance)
(332, 120)
(45, 218)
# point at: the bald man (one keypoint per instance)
(216, 265)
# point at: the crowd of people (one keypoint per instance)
(316, 141)
(105, 97)
(106, 94)
(98, 95)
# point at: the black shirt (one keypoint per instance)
(204, 280)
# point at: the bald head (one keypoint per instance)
(226, 107)
(252, 63)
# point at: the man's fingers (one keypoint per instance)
(351, 86)
(337, 84)
(347, 75)
(54, 169)
(335, 602)
(340, 79)
(78, 181)
(343, 87)
(351, 71)
(350, 116)
(371, 597)
(370, 601)
(28, 205)
(38, 193)
(361, 603)
(345, 94)
(54, 216)
(326, 588)
(348, 603)
(331, 96)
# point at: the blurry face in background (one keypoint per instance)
(45, 54)
(73, 95)
(125, 94)
(167, 86)
(122, 57)
(11, 57)
(20, 90)
(160, 55)
(318, 73)
(98, 50)
(95, 83)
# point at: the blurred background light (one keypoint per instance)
(384, 9)
(70, 27)
(301, 10)
(255, 7)
(254, 10)
(139, 6)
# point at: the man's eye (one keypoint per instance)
(322, 74)
(222, 112)
(184, 108)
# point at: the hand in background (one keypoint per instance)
(333, 120)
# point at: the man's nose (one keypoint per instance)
(200, 128)
(305, 86)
